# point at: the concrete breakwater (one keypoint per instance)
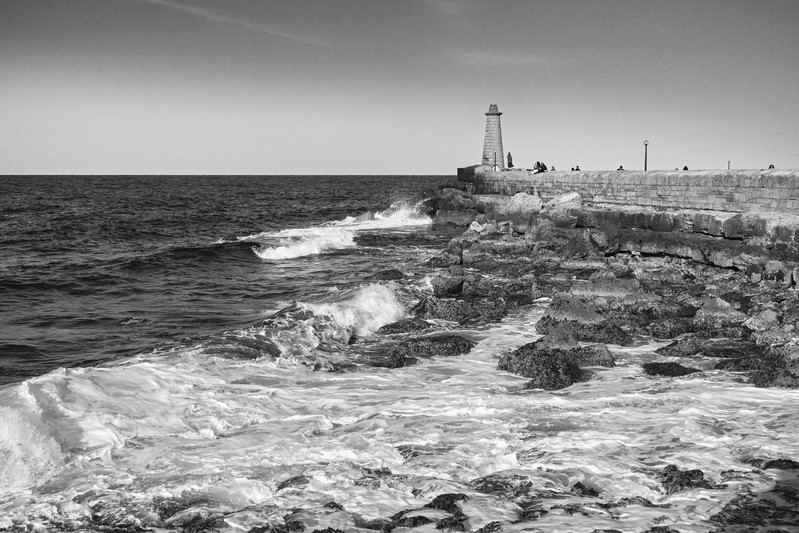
(737, 191)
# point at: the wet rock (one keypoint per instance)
(296, 481)
(581, 490)
(685, 347)
(764, 511)
(636, 500)
(506, 486)
(444, 503)
(447, 285)
(668, 369)
(669, 328)
(491, 527)
(327, 530)
(232, 346)
(392, 360)
(579, 320)
(531, 511)
(432, 307)
(456, 217)
(779, 464)
(444, 259)
(548, 369)
(387, 275)
(448, 503)
(442, 345)
(675, 480)
(405, 325)
(557, 341)
(716, 313)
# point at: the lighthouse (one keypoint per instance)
(493, 154)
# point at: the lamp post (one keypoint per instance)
(646, 146)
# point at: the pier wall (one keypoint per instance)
(738, 191)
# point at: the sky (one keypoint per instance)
(394, 86)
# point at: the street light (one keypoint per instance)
(646, 146)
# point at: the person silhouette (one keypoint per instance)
(685, 167)
(771, 166)
(620, 168)
(510, 160)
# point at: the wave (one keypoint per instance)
(331, 236)
(313, 241)
(363, 310)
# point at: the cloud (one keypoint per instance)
(489, 59)
(243, 23)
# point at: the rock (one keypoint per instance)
(442, 344)
(715, 313)
(393, 359)
(460, 217)
(447, 502)
(668, 369)
(682, 348)
(387, 275)
(770, 510)
(709, 224)
(565, 201)
(503, 485)
(518, 211)
(547, 369)
(592, 355)
(675, 480)
(581, 490)
(668, 328)
(454, 310)
(762, 321)
(447, 285)
(445, 259)
(405, 325)
(580, 321)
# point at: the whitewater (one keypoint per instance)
(279, 421)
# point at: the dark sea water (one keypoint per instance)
(94, 268)
(194, 354)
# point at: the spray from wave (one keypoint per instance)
(336, 235)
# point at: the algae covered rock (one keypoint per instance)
(547, 369)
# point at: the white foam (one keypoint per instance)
(28, 453)
(308, 242)
(231, 431)
(337, 235)
(363, 310)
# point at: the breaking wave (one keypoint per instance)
(331, 236)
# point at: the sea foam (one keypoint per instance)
(363, 310)
(331, 236)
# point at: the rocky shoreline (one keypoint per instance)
(722, 286)
(717, 290)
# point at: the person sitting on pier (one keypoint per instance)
(543, 167)
(620, 168)
(685, 167)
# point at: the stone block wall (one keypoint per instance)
(738, 191)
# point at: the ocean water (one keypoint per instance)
(190, 354)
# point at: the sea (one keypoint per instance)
(191, 353)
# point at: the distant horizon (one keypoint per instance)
(395, 175)
(204, 87)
